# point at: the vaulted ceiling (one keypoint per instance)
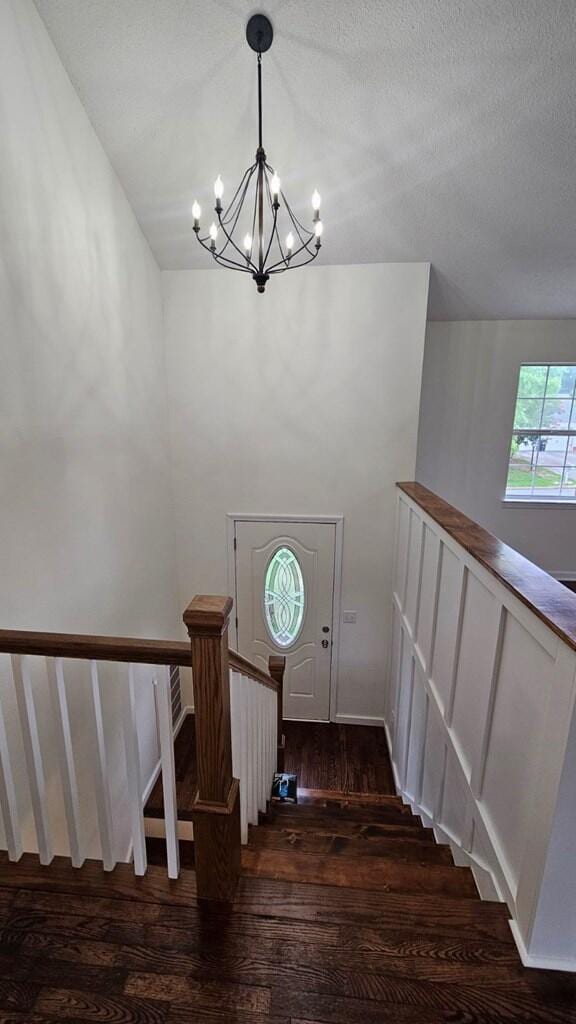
(441, 130)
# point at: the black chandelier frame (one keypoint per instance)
(255, 261)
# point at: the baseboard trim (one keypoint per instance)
(359, 720)
(546, 963)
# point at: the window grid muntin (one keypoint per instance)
(567, 474)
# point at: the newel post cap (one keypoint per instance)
(208, 615)
(276, 665)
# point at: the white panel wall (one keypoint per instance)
(85, 510)
(300, 401)
(480, 701)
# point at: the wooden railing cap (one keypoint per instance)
(208, 615)
(552, 602)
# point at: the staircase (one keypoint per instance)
(337, 910)
(346, 912)
(356, 842)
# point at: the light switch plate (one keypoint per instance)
(349, 617)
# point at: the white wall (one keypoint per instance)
(86, 541)
(469, 385)
(300, 401)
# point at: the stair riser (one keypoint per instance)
(364, 830)
(374, 815)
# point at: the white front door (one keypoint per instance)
(284, 605)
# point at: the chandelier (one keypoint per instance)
(260, 205)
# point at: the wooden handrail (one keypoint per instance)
(116, 648)
(548, 599)
(247, 668)
(95, 648)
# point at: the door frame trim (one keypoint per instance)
(338, 521)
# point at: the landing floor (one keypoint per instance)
(349, 758)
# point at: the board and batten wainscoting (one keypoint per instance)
(480, 715)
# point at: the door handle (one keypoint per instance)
(324, 644)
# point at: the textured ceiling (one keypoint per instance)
(439, 130)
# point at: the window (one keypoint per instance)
(284, 597)
(542, 463)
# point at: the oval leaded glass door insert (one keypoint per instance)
(284, 597)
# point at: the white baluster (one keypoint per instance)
(272, 739)
(134, 785)
(8, 805)
(63, 737)
(253, 803)
(235, 723)
(165, 731)
(254, 748)
(265, 777)
(33, 755)
(243, 758)
(261, 751)
(101, 773)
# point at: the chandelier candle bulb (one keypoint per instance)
(218, 192)
(258, 197)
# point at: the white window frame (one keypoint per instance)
(532, 500)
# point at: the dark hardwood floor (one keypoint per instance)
(80, 945)
(348, 758)
(347, 912)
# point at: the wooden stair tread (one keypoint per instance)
(329, 843)
(342, 827)
(375, 873)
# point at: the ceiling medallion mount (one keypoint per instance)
(260, 204)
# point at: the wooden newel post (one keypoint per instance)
(276, 666)
(216, 809)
